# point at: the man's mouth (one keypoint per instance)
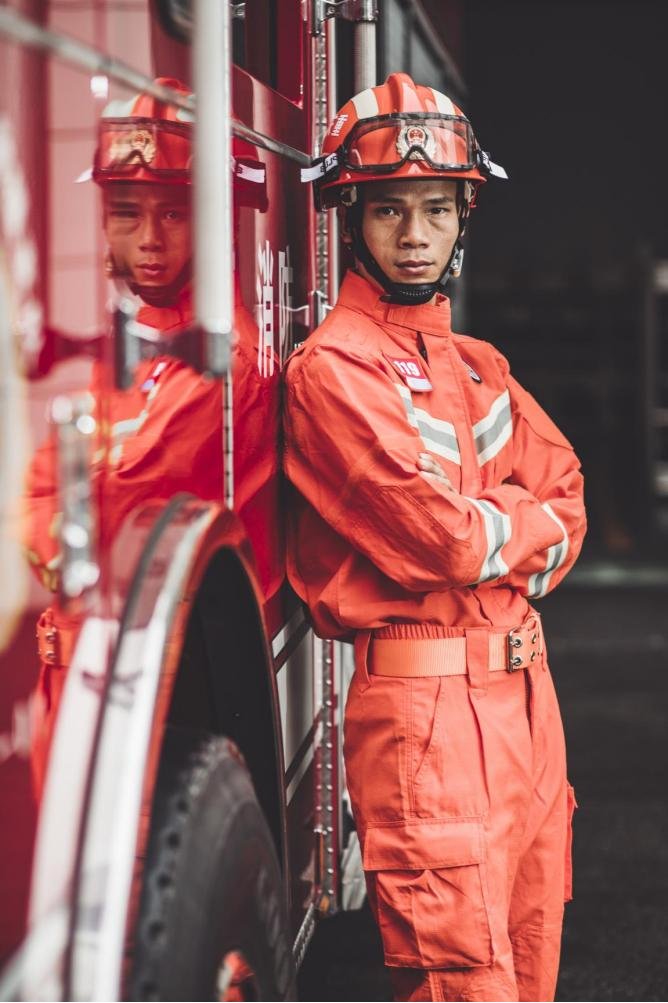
(414, 267)
(151, 270)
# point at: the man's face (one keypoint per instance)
(148, 227)
(411, 227)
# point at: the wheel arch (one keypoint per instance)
(193, 651)
(225, 682)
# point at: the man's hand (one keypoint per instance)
(428, 467)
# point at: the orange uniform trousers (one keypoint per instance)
(459, 792)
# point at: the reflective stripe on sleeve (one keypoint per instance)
(556, 555)
(493, 431)
(121, 429)
(437, 435)
(498, 530)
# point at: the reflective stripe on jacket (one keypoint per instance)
(374, 541)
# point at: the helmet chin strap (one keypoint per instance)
(405, 293)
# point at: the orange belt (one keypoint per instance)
(446, 656)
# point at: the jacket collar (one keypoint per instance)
(358, 294)
(166, 318)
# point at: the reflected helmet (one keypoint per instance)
(147, 140)
(144, 139)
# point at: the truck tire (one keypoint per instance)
(212, 920)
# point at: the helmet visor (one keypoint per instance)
(384, 143)
(128, 145)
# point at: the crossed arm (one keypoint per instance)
(351, 453)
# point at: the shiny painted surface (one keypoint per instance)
(54, 304)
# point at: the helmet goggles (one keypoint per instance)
(383, 144)
(127, 146)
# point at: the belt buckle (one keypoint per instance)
(514, 642)
(527, 635)
(48, 642)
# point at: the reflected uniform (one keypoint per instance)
(457, 775)
(165, 437)
(164, 434)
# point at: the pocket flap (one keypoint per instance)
(424, 843)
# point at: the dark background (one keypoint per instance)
(571, 99)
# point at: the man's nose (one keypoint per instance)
(150, 235)
(413, 231)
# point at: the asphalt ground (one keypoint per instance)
(608, 652)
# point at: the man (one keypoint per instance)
(433, 497)
(164, 434)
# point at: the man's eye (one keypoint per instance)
(174, 215)
(386, 210)
(124, 214)
(440, 210)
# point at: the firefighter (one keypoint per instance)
(434, 498)
(165, 430)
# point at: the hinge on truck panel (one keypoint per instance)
(348, 10)
(320, 307)
(76, 431)
(206, 351)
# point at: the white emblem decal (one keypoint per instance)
(136, 145)
(285, 272)
(267, 352)
(412, 373)
(420, 138)
(265, 307)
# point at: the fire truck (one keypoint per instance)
(190, 826)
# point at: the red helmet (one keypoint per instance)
(398, 128)
(144, 139)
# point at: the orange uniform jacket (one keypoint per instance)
(165, 436)
(149, 453)
(374, 541)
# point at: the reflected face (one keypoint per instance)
(149, 231)
(411, 227)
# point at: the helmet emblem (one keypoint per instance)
(420, 138)
(138, 144)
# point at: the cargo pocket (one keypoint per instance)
(429, 884)
(571, 805)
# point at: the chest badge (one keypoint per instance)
(472, 373)
(412, 373)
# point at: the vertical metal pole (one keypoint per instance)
(320, 95)
(333, 223)
(214, 288)
(325, 795)
(365, 45)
